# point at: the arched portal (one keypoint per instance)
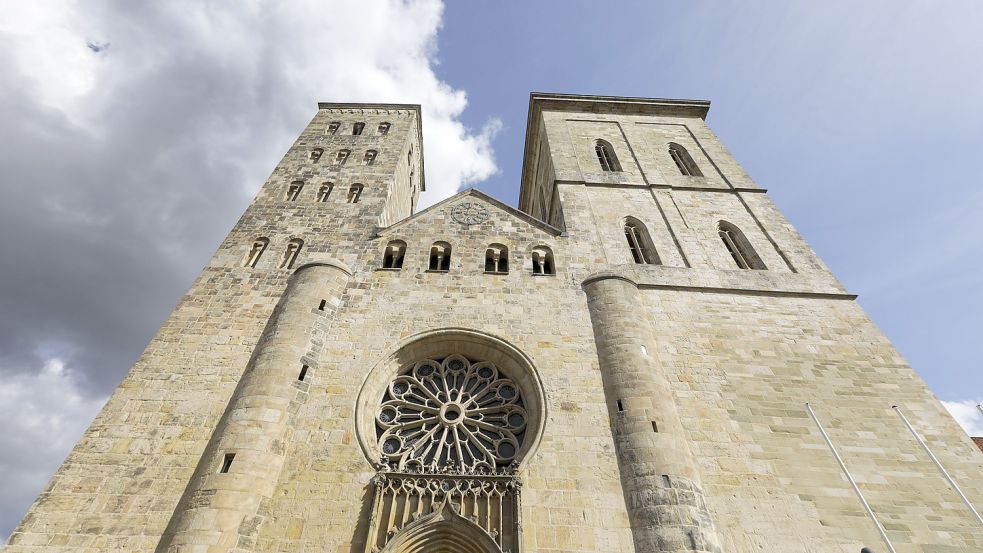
(443, 531)
(447, 419)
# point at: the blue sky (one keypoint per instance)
(127, 164)
(861, 119)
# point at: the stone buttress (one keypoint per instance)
(222, 508)
(666, 504)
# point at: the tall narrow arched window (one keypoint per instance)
(440, 257)
(384, 128)
(542, 261)
(738, 247)
(291, 253)
(369, 158)
(497, 259)
(324, 192)
(357, 129)
(683, 160)
(605, 156)
(354, 192)
(333, 127)
(392, 258)
(640, 244)
(255, 252)
(342, 157)
(316, 154)
(293, 191)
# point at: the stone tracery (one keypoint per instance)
(451, 414)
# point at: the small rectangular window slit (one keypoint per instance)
(655, 427)
(227, 462)
(323, 303)
(620, 406)
(303, 375)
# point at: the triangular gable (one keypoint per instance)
(477, 194)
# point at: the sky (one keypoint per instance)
(134, 134)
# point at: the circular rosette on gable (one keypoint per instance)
(451, 413)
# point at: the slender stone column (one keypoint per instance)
(221, 511)
(666, 506)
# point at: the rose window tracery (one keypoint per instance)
(451, 414)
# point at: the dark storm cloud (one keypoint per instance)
(122, 171)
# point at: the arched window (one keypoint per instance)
(342, 157)
(333, 127)
(640, 244)
(739, 247)
(440, 256)
(316, 154)
(293, 191)
(384, 128)
(497, 259)
(324, 192)
(684, 161)
(354, 192)
(369, 158)
(393, 256)
(290, 254)
(542, 261)
(357, 129)
(605, 156)
(255, 251)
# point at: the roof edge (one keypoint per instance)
(471, 191)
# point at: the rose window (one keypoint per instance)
(453, 414)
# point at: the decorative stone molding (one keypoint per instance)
(469, 213)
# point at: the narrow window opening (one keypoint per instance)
(621, 407)
(542, 261)
(738, 247)
(409, 156)
(342, 157)
(333, 127)
(639, 243)
(606, 157)
(655, 427)
(684, 162)
(666, 481)
(384, 128)
(324, 192)
(293, 191)
(322, 305)
(369, 158)
(357, 128)
(354, 192)
(645, 350)
(227, 462)
(303, 374)
(316, 154)
(290, 255)
(440, 257)
(255, 251)
(497, 259)
(392, 258)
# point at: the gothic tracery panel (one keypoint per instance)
(451, 414)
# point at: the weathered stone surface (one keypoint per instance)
(721, 360)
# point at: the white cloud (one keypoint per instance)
(126, 166)
(967, 415)
(43, 415)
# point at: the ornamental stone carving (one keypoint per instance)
(469, 213)
(451, 415)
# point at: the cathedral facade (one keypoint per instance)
(644, 356)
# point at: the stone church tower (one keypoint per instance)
(644, 356)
